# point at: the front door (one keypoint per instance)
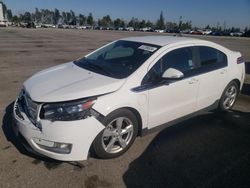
(171, 99)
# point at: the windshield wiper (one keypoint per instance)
(98, 68)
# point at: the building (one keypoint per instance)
(1, 12)
(2, 19)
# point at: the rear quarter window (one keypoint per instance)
(211, 57)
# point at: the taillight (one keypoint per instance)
(240, 60)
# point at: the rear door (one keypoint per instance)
(213, 70)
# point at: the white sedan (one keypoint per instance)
(127, 88)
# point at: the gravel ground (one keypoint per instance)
(211, 150)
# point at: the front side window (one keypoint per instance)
(180, 59)
(119, 59)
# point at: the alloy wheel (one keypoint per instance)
(230, 96)
(117, 135)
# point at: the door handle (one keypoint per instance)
(193, 80)
(223, 71)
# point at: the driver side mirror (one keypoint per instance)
(172, 73)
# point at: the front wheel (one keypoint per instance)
(121, 128)
(229, 96)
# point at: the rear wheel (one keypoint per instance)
(119, 134)
(229, 96)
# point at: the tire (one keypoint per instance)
(228, 97)
(121, 128)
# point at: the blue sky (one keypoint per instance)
(234, 12)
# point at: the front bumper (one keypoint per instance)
(79, 134)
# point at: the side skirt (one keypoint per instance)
(146, 131)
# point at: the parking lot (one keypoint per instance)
(211, 150)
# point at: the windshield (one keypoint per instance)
(119, 59)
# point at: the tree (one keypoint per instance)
(149, 24)
(224, 26)
(105, 21)
(64, 17)
(142, 24)
(180, 23)
(38, 16)
(119, 23)
(47, 16)
(160, 23)
(90, 19)
(208, 27)
(217, 26)
(72, 20)
(237, 29)
(171, 26)
(82, 19)
(68, 17)
(185, 26)
(26, 17)
(15, 19)
(57, 16)
(122, 24)
(134, 22)
(9, 15)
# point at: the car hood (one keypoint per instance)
(69, 82)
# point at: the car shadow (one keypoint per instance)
(247, 66)
(245, 89)
(210, 150)
(38, 159)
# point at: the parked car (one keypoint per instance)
(146, 29)
(3, 24)
(129, 29)
(59, 26)
(216, 33)
(172, 31)
(236, 34)
(31, 25)
(127, 88)
(247, 34)
(195, 32)
(206, 31)
(120, 29)
(186, 31)
(159, 30)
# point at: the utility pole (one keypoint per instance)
(217, 27)
(224, 25)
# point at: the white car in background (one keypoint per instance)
(206, 32)
(127, 88)
(159, 31)
(129, 29)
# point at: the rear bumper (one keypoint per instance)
(243, 75)
(78, 134)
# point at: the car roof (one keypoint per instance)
(161, 40)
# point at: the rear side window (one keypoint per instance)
(212, 57)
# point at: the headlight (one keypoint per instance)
(67, 111)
